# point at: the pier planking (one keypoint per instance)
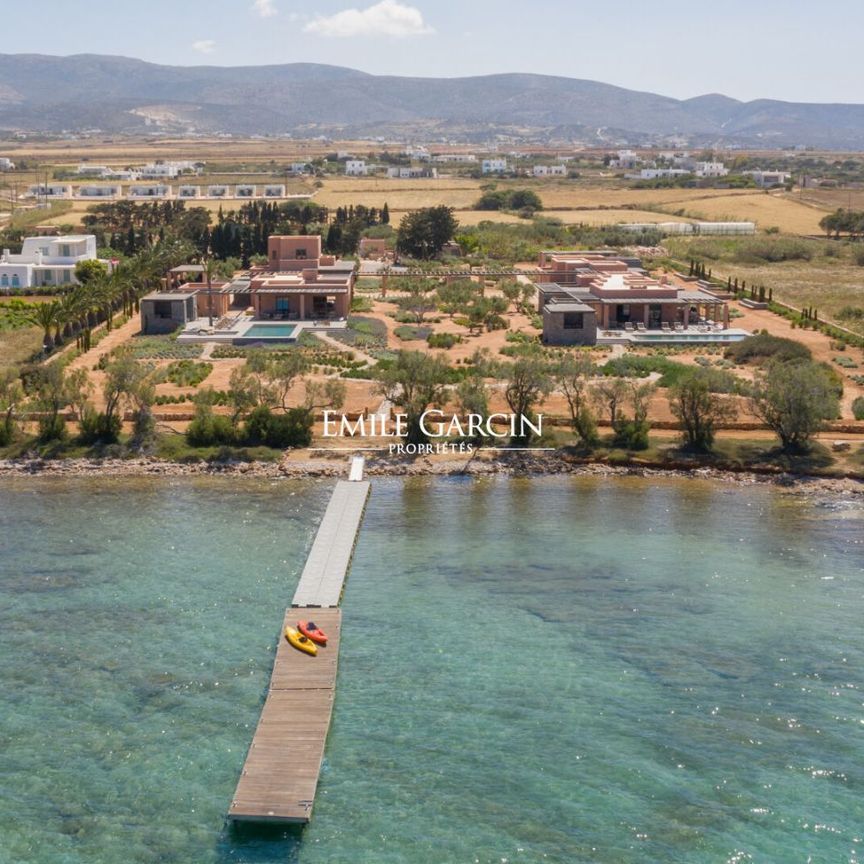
(323, 577)
(280, 776)
(281, 772)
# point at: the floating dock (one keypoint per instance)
(326, 567)
(280, 775)
(283, 763)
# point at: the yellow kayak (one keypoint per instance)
(300, 642)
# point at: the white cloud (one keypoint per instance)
(387, 18)
(265, 8)
(204, 46)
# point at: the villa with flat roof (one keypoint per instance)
(45, 261)
(601, 296)
(298, 284)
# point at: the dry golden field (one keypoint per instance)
(590, 199)
(827, 285)
(458, 192)
(832, 199)
(610, 216)
(774, 210)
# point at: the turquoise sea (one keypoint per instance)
(548, 670)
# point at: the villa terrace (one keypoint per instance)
(299, 284)
(597, 297)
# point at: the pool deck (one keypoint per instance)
(280, 775)
(236, 330)
(691, 336)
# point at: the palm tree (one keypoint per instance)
(103, 296)
(47, 316)
(211, 268)
(73, 305)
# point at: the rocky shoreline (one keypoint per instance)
(509, 465)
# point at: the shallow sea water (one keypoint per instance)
(547, 670)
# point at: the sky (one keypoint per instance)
(796, 50)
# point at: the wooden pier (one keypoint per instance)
(281, 772)
(326, 567)
(280, 775)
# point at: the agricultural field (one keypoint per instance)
(593, 199)
(832, 199)
(821, 273)
(458, 192)
(778, 210)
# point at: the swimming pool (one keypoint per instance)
(674, 336)
(269, 331)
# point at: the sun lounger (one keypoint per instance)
(679, 326)
(628, 325)
(640, 326)
(666, 326)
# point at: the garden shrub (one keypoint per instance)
(208, 429)
(98, 427)
(188, 373)
(443, 340)
(280, 431)
(763, 347)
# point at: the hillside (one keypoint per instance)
(117, 94)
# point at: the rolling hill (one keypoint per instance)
(49, 94)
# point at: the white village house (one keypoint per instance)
(46, 261)
(356, 168)
(494, 166)
(549, 171)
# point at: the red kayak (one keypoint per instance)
(312, 631)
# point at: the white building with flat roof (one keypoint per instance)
(6, 164)
(50, 190)
(625, 159)
(461, 158)
(46, 261)
(99, 191)
(659, 173)
(549, 171)
(404, 172)
(766, 179)
(167, 169)
(356, 168)
(710, 169)
(494, 166)
(150, 190)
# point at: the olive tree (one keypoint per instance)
(11, 398)
(794, 400)
(571, 375)
(528, 382)
(511, 290)
(419, 298)
(455, 295)
(54, 391)
(415, 381)
(610, 394)
(698, 409)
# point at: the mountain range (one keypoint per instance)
(40, 93)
